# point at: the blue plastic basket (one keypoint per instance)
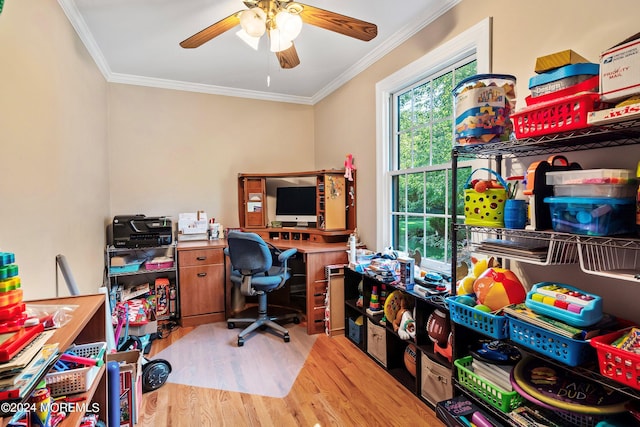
(566, 350)
(492, 325)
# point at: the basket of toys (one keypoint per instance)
(619, 356)
(69, 378)
(572, 352)
(505, 401)
(555, 116)
(484, 200)
(463, 313)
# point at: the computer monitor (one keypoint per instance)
(296, 204)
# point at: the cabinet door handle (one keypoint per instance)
(201, 258)
(202, 274)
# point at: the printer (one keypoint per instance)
(138, 231)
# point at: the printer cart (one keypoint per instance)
(144, 282)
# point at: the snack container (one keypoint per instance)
(482, 108)
(592, 216)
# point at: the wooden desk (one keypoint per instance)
(316, 256)
(87, 325)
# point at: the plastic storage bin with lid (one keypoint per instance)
(482, 107)
(619, 183)
(562, 78)
(592, 216)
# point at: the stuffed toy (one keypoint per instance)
(349, 167)
(407, 329)
(404, 323)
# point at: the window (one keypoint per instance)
(415, 136)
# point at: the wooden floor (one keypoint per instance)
(338, 386)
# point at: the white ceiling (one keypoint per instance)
(137, 42)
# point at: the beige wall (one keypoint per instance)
(78, 150)
(522, 31)
(172, 151)
(53, 127)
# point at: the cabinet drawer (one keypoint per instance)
(200, 257)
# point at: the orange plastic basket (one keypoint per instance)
(559, 115)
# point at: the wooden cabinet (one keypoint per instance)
(332, 202)
(201, 266)
(335, 205)
(253, 203)
(87, 325)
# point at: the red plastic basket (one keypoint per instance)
(620, 365)
(559, 115)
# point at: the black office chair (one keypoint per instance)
(258, 268)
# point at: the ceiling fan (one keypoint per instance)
(282, 20)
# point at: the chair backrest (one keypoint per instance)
(249, 253)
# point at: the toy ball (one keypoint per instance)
(410, 359)
(498, 287)
(438, 327)
(483, 307)
(466, 300)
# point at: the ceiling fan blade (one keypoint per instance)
(211, 31)
(288, 58)
(342, 24)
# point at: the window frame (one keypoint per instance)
(476, 40)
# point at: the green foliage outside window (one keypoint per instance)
(424, 115)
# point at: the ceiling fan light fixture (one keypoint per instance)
(279, 41)
(253, 21)
(289, 24)
(254, 42)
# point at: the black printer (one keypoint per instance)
(138, 231)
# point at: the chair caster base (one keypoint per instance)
(286, 338)
(240, 342)
(296, 320)
(231, 325)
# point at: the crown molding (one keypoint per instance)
(420, 22)
(203, 88)
(78, 23)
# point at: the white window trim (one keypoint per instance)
(476, 39)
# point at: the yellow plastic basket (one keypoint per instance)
(485, 209)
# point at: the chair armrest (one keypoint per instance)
(285, 255)
(226, 251)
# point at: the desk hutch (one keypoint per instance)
(322, 244)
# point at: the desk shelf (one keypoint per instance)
(87, 325)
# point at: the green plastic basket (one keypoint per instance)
(506, 401)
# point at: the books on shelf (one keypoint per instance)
(534, 250)
(522, 312)
(20, 384)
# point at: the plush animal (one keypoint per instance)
(407, 329)
(349, 167)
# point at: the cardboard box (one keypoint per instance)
(612, 115)
(130, 385)
(557, 60)
(377, 342)
(620, 71)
